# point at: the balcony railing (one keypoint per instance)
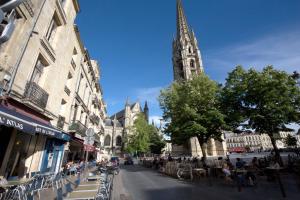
(95, 100)
(61, 122)
(36, 94)
(67, 90)
(95, 119)
(77, 126)
(29, 6)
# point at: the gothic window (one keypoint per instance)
(192, 63)
(119, 141)
(190, 50)
(107, 140)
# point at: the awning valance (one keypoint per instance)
(11, 118)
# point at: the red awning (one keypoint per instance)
(237, 149)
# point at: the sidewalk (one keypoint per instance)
(71, 188)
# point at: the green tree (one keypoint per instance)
(263, 101)
(157, 142)
(191, 109)
(145, 137)
(290, 141)
(139, 140)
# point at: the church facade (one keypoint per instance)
(187, 62)
(118, 127)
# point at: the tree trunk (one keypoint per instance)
(203, 149)
(276, 150)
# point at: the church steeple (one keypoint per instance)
(186, 55)
(146, 111)
(182, 25)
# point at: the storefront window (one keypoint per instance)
(18, 155)
(5, 133)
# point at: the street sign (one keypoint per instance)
(90, 132)
(89, 140)
(89, 148)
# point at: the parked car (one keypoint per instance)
(128, 161)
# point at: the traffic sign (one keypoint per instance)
(89, 140)
(89, 148)
(90, 132)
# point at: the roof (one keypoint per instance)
(121, 113)
(110, 122)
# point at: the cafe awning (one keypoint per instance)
(11, 118)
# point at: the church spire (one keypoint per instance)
(182, 25)
(187, 60)
(146, 111)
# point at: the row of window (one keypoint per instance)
(107, 140)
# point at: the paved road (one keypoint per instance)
(139, 183)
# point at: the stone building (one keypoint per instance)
(186, 63)
(48, 82)
(254, 141)
(118, 127)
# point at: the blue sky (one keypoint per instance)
(132, 40)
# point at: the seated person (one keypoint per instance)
(253, 168)
(230, 165)
(240, 164)
(219, 162)
(226, 171)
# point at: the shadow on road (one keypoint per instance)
(134, 168)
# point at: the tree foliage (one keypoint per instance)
(263, 101)
(191, 109)
(157, 142)
(290, 141)
(145, 137)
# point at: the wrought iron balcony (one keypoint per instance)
(36, 94)
(95, 100)
(95, 119)
(61, 122)
(67, 90)
(29, 6)
(77, 126)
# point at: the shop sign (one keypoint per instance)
(52, 133)
(7, 121)
(89, 148)
(45, 131)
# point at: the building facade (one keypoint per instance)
(187, 63)
(254, 142)
(119, 126)
(45, 73)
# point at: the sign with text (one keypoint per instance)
(89, 148)
(18, 124)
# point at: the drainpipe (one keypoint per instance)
(19, 59)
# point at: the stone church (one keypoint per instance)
(186, 63)
(118, 126)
